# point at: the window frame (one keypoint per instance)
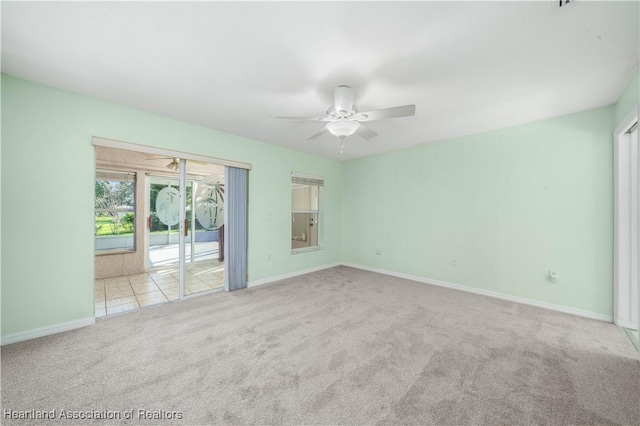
(133, 209)
(312, 181)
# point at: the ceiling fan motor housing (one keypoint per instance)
(343, 102)
(338, 115)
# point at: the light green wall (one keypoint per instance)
(508, 205)
(630, 99)
(47, 169)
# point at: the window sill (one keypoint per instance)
(306, 249)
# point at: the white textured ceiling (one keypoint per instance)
(467, 66)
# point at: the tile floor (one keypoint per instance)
(121, 294)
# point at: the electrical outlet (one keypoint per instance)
(553, 276)
(378, 251)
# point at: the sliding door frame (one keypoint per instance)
(183, 156)
(182, 254)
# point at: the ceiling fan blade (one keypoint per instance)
(381, 114)
(365, 132)
(343, 100)
(304, 118)
(318, 134)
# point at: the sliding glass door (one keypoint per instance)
(184, 238)
(159, 226)
(163, 221)
(204, 218)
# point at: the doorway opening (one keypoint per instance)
(627, 228)
(158, 230)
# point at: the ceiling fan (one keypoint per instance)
(344, 120)
(174, 165)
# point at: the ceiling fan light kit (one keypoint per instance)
(174, 165)
(342, 128)
(344, 120)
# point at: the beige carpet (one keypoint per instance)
(339, 346)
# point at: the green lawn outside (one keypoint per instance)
(105, 227)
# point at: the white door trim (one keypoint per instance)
(112, 143)
(623, 262)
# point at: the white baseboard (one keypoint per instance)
(46, 331)
(84, 322)
(291, 275)
(626, 324)
(494, 294)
